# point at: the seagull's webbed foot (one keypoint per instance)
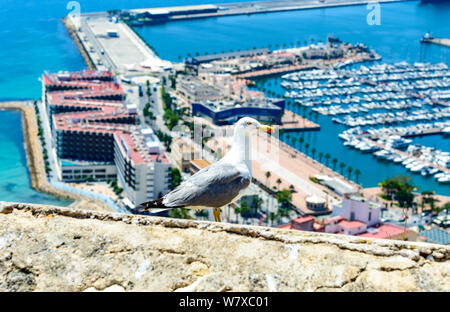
(216, 213)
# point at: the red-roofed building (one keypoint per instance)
(390, 231)
(96, 135)
(300, 223)
(352, 227)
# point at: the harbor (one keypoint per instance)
(375, 91)
(106, 35)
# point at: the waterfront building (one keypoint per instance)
(191, 90)
(95, 133)
(142, 168)
(228, 112)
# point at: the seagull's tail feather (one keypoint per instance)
(153, 205)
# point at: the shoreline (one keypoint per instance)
(80, 46)
(35, 161)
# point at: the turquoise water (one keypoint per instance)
(34, 39)
(396, 39)
(15, 178)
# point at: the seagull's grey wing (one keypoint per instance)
(213, 186)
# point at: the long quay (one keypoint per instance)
(239, 8)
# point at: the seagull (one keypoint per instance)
(218, 184)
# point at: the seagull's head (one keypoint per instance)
(247, 125)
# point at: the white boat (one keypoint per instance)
(417, 168)
(444, 179)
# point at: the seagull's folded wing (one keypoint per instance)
(213, 186)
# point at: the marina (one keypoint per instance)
(389, 144)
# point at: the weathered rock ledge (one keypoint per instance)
(46, 248)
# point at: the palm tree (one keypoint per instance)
(320, 156)
(357, 173)
(301, 140)
(291, 188)
(278, 182)
(349, 170)
(294, 141)
(327, 158)
(342, 166)
(334, 161)
(306, 148)
(268, 174)
(313, 152)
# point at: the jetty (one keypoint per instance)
(165, 14)
(439, 41)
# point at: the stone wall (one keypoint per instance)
(45, 248)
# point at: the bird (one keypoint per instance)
(220, 183)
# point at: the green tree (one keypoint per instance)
(334, 161)
(400, 189)
(349, 170)
(284, 197)
(268, 174)
(278, 182)
(244, 209)
(306, 148)
(180, 213)
(357, 173)
(175, 178)
(342, 166)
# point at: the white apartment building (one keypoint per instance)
(142, 167)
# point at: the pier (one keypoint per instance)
(439, 41)
(274, 71)
(431, 131)
(239, 8)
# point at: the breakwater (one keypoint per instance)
(81, 48)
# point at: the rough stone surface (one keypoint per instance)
(45, 248)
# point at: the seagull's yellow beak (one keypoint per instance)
(267, 129)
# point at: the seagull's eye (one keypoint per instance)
(249, 123)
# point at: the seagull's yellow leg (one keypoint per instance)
(216, 213)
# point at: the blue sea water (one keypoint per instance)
(34, 39)
(15, 182)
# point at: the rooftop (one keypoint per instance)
(436, 236)
(47, 248)
(101, 109)
(384, 230)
